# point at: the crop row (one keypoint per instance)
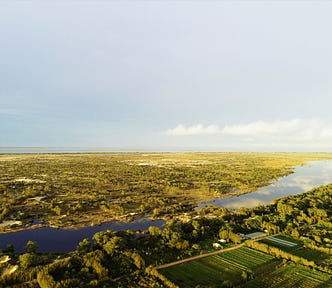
(193, 273)
(246, 256)
(281, 242)
(231, 262)
(292, 276)
(217, 268)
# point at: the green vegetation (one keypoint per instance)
(114, 185)
(66, 190)
(310, 254)
(222, 270)
(292, 276)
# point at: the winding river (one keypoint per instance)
(303, 179)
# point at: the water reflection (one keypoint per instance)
(316, 173)
(65, 240)
(62, 240)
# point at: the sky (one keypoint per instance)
(206, 75)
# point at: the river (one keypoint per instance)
(66, 240)
(303, 179)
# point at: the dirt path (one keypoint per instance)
(199, 256)
(208, 254)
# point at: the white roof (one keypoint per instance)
(255, 235)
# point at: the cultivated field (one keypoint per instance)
(281, 242)
(292, 276)
(296, 248)
(221, 269)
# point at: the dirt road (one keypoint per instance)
(208, 254)
(199, 256)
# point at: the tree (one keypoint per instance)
(227, 284)
(45, 280)
(9, 248)
(84, 246)
(196, 246)
(138, 260)
(224, 233)
(295, 233)
(235, 238)
(28, 260)
(31, 247)
(114, 244)
(244, 276)
(101, 238)
(155, 231)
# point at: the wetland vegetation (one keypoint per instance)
(298, 255)
(71, 190)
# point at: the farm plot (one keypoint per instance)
(292, 276)
(281, 242)
(232, 266)
(296, 248)
(318, 257)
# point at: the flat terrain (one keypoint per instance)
(297, 255)
(231, 266)
(292, 276)
(71, 190)
(297, 248)
(236, 266)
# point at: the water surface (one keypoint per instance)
(65, 240)
(304, 178)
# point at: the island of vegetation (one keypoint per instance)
(284, 244)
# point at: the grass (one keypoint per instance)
(216, 269)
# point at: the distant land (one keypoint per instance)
(160, 149)
(4, 150)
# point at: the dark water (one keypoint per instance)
(65, 240)
(305, 178)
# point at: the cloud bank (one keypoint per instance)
(282, 131)
(9, 112)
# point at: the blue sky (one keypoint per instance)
(220, 75)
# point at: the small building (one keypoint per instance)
(216, 245)
(255, 235)
(223, 241)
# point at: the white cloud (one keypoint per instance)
(295, 130)
(199, 129)
(9, 112)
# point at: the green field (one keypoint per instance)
(318, 257)
(292, 276)
(232, 266)
(281, 245)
